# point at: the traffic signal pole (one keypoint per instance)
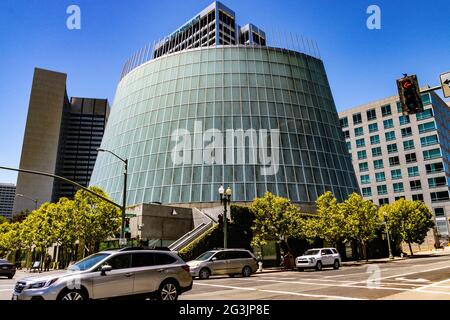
(431, 89)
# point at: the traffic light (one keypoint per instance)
(127, 229)
(409, 94)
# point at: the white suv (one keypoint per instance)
(318, 258)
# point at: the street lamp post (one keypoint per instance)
(124, 199)
(388, 238)
(29, 198)
(225, 198)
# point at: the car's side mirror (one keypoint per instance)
(105, 268)
(213, 259)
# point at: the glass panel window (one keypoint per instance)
(371, 114)
(411, 157)
(426, 114)
(408, 145)
(394, 161)
(380, 176)
(360, 143)
(404, 120)
(417, 197)
(373, 127)
(362, 155)
(346, 134)
(406, 132)
(399, 107)
(439, 212)
(439, 196)
(432, 154)
(437, 182)
(349, 146)
(357, 119)
(382, 189)
(398, 187)
(378, 164)
(376, 151)
(359, 131)
(344, 122)
(415, 185)
(390, 135)
(434, 167)
(383, 201)
(396, 174)
(429, 140)
(392, 148)
(365, 179)
(367, 192)
(363, 166)
(375, 139)
(413, 171)
(389, 123)
(386, 110)
(426, 127)
(426, 98)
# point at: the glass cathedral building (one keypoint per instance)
(232, 97)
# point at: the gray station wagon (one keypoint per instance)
(224, 262)
(127, 272)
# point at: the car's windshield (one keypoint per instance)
(88, 262)
(311, 252)
(205, 256)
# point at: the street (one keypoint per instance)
(415, 278)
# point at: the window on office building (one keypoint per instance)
(389, 123)
(417, 197)
(390, 135)
(432, 154)
(367, 192)
(399, 197)
(373, 127)
(437, 182)
(410, 157)
(426, 127)
(408, 144)
(413, 171)
(349, 146)
(375, 139)
(386, 110)
(371, 114)
(343, 122)
(383, 201)
(439, 196)
(415, 185)
(346, 134)
(429, 140)
(434, 167)
(357, 119)
(359, 131)
(376, 152)
(382, 189)
(362, 155)
(365, 179)
(399, 107)
(378, 164)
(404, 120)
(439, 212)
(392, 148)
(396, 174)
(364, 166)
(406, 132)
(398, 187)
(394, 161)
(360, 143)
(426, 114)
(380, 176)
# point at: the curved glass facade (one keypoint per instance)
(258, 92)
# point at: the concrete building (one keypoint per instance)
(61, 137)
(215, 25)
(252, 117)
(396, 155)
(7, 194)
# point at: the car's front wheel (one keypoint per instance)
(246, 271)
(204, 274)
(10, 276)
(319, 266)
(300, 269)
(72, 295)
(336, 264)
(168, 291)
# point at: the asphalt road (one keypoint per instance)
(417, 278)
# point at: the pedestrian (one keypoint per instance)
(47, 262)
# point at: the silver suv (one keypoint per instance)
(224, 262)
(319, 258)
(128, 272)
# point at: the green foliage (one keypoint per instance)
(213, 238)
(407, 220)
(276, 218)
(3, 220)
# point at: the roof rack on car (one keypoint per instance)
(144, 248)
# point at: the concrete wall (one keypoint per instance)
(40, 143)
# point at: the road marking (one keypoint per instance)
(282, 292)
(432, 285)
(412, 280)
(6, 290)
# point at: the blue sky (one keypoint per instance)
(362, 64)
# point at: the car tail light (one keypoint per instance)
(186, 268)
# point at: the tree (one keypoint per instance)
(362, 220)
(94, 219)
(276, 218)
(3, 220)
(9, 237)
(408, 220)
